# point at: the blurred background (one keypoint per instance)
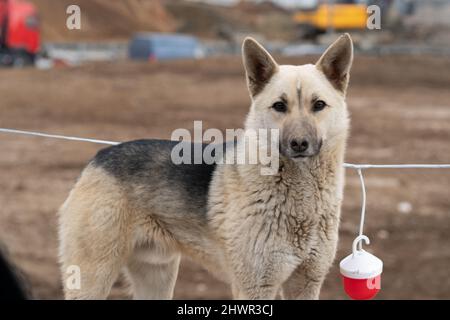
(143, 68)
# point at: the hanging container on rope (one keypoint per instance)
(361, 272)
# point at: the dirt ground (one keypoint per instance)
(400, 108)
(103, 20)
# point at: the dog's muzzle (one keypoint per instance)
(301, 148)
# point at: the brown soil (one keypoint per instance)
(210, 21)
(400, 114)
(103, 19)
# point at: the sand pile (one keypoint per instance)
(103, 19)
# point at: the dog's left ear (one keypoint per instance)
(336, 62)
(259, 65)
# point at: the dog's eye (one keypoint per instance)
(319, 105)
(279, 106)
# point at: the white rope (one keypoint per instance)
(360, 167)
(396, 166)
(357, 167)
(346, 165)
(363, 205)
(55, 136)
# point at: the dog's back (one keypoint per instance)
(146, 169)
(124, 204)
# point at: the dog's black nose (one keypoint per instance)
(299, 146)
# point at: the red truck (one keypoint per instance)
(19, 32)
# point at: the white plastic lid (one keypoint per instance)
(361, 264)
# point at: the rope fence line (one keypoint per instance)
(396, 166)
(56, 136)
(363, 206)
(358, 167)
(346, 165)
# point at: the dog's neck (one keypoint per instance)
(325, 167)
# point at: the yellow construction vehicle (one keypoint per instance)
(337, 15)
(315, 17)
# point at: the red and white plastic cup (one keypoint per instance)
(361, 272)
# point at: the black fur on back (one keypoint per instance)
(147, 163)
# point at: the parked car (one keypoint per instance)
(160, 46)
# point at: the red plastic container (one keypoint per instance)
(362, 289)
(361, 273)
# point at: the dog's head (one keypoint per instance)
(306, 103)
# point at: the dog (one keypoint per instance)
(133, 209)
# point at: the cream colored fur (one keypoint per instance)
(263, 235)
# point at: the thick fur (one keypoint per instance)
(133, 208)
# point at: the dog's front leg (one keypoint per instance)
(306, 280)
(254, 292)
(260, 279)
(259, 261)
(304, 284)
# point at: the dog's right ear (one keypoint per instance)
(336, 62)
(259, 65)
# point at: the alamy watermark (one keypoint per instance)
(73, 21)
(238, 146)
(374, 283)
(73, 280)
(374, 17)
